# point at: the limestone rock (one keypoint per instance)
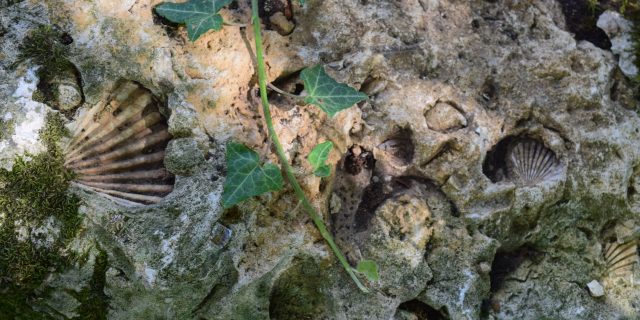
(619, 31)
(595, 288)
(428, 190)
(444, 117)
(183, 156)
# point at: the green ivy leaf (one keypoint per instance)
(245, 177)
(301, 2)
(326, 93)
(318, 157)
(369, 269)
(200, 16)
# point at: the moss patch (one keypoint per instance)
(46, 47)
(94, 302)
(33, 195)
(6, 128)
(298, 293)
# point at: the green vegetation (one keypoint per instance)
(368, 268)
(245, 176)
(94, 302)
(326, 93)
(6, 128)
(318, 157)
(44, 46)
(200, 16)
(33, 195)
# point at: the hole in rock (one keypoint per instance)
(277, 15)
(581, 21)
(419, 310)
(298, 294)
(400, 146)
(489, 90)
(506, 262)
(358, 158)
(289, 83)
(125, 164)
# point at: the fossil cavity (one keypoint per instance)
(522, 160)
(620, 258)
(118, 146)
(399, 148)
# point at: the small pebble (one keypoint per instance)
(595, 288)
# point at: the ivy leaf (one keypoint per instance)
(301, 2)
(245, 177)
(200, 16)
(326, 93)
(369, 269)
(318, 157)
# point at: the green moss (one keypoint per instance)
(94, 302)
(298, 293)
(31, 193)
(6, 128)
(44, 46)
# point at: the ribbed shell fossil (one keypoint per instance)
(118, 147)
(529, 161)
(620, 257)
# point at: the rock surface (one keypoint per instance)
(420, 178)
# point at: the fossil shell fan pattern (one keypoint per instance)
(118, 147)
(529, 161)
(620, 257)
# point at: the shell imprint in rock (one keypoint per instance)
(529, 161)
(620, 257)
(118, 147)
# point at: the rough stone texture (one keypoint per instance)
(619, 30)
(453, 234)
(183, 157)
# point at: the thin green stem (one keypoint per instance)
(317, 219)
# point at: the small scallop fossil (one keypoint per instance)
(620, 257)
(529, 161)
(118, 147)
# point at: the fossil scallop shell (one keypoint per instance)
(620, 257)
(118, 147)
(529, 161)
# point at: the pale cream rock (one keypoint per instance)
(619, 31)
(443, 117)
(595, 288)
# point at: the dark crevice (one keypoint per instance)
(422, 311)
(171, 28)
(357, 159)
(494, 165)
(400, 145)
(506, 262)
(581, 21)
(289, 83)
